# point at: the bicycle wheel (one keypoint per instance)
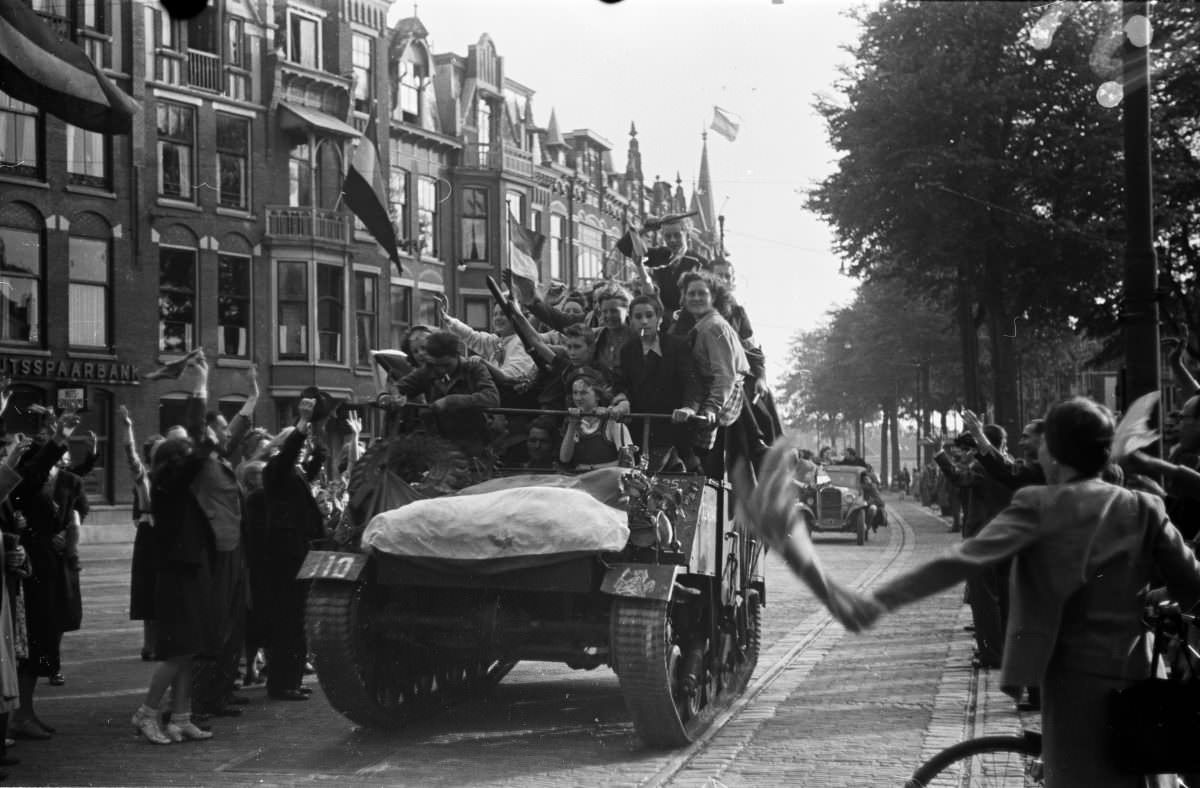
(985, 762)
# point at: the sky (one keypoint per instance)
(664, 64)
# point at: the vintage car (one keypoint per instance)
(399, 626)
(835, 500)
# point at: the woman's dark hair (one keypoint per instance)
(578, 298)
(148, 446)
(645, 298)
(594, 378)
(1079, 433)
(721, 297)
(442, 344)
(405, 344)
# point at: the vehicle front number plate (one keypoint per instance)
(328, 565)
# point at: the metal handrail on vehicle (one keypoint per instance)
(646, 417)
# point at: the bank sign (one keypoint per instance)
(22, 367)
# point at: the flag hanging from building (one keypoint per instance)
(364, 191)
(632, 245)
(55, 75)
(524, 250)
(724, 124)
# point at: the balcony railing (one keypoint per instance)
(204, 70)
(304, 223)
(486, 156)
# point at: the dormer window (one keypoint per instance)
(408, 101)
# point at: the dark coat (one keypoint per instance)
(659, 385)
(987, 496)
(52, 601)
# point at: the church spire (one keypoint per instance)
(704, 187)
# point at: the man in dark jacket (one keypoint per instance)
(657, 375)
(667, 263)
(293, 522)
(456, 388)
(987, 591)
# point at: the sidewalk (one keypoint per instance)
(867, 709)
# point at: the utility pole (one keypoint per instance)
(1139, 313)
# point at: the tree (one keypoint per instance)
(980, 172)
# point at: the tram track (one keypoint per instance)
(816, 633)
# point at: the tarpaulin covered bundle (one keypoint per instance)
(513, 522)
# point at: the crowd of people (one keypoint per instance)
(1063, 548)
(670, 340)
(225, 512)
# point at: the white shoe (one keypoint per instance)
(146, 725)
(186, 731)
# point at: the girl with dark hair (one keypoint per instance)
(591, 439)
(1083, 551)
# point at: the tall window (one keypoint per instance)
(237, 59)
(304, 40)
(475, 225)
(515, 201)
(300, 176)
(427, 216)
(176, 146)
(398, 185)
(233, 305)
(88, 309)
(236, 53)
(590, 254)
(400, 314)
(558, 251)
(408, 100)
(87, 157)
(19, 141)
(233, 156)
(329, 313)
(363, 55)
(20, 285)
(293, 309)
(483, 122)
(176, 299)
(366, 317)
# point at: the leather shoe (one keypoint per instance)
(305, 690)
(292, 694)
(57, 680)
(44, 726)
(28, 729)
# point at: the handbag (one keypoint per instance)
(1154, 724)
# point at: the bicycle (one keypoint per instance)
(1014, 761)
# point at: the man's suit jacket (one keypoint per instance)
(987, 496)
(1081, 554)
(659, 385)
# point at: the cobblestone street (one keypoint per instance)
(825, 707)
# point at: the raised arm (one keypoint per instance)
(244, 419)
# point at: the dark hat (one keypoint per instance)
(325, 403)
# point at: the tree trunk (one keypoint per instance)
(888, 408)
(968, 336)
(895, 441)
(1002, 333)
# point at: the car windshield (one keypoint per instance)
(844, 477)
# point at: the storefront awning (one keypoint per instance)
(299, 116)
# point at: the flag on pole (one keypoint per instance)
(364, 191)
(55, 75)
(632, 245)
(724, 124)
(524, 250)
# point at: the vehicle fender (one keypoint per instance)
(805, 511)
(857, 508)
(331, 565)
(642, 581)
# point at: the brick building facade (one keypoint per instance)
(218, 222)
